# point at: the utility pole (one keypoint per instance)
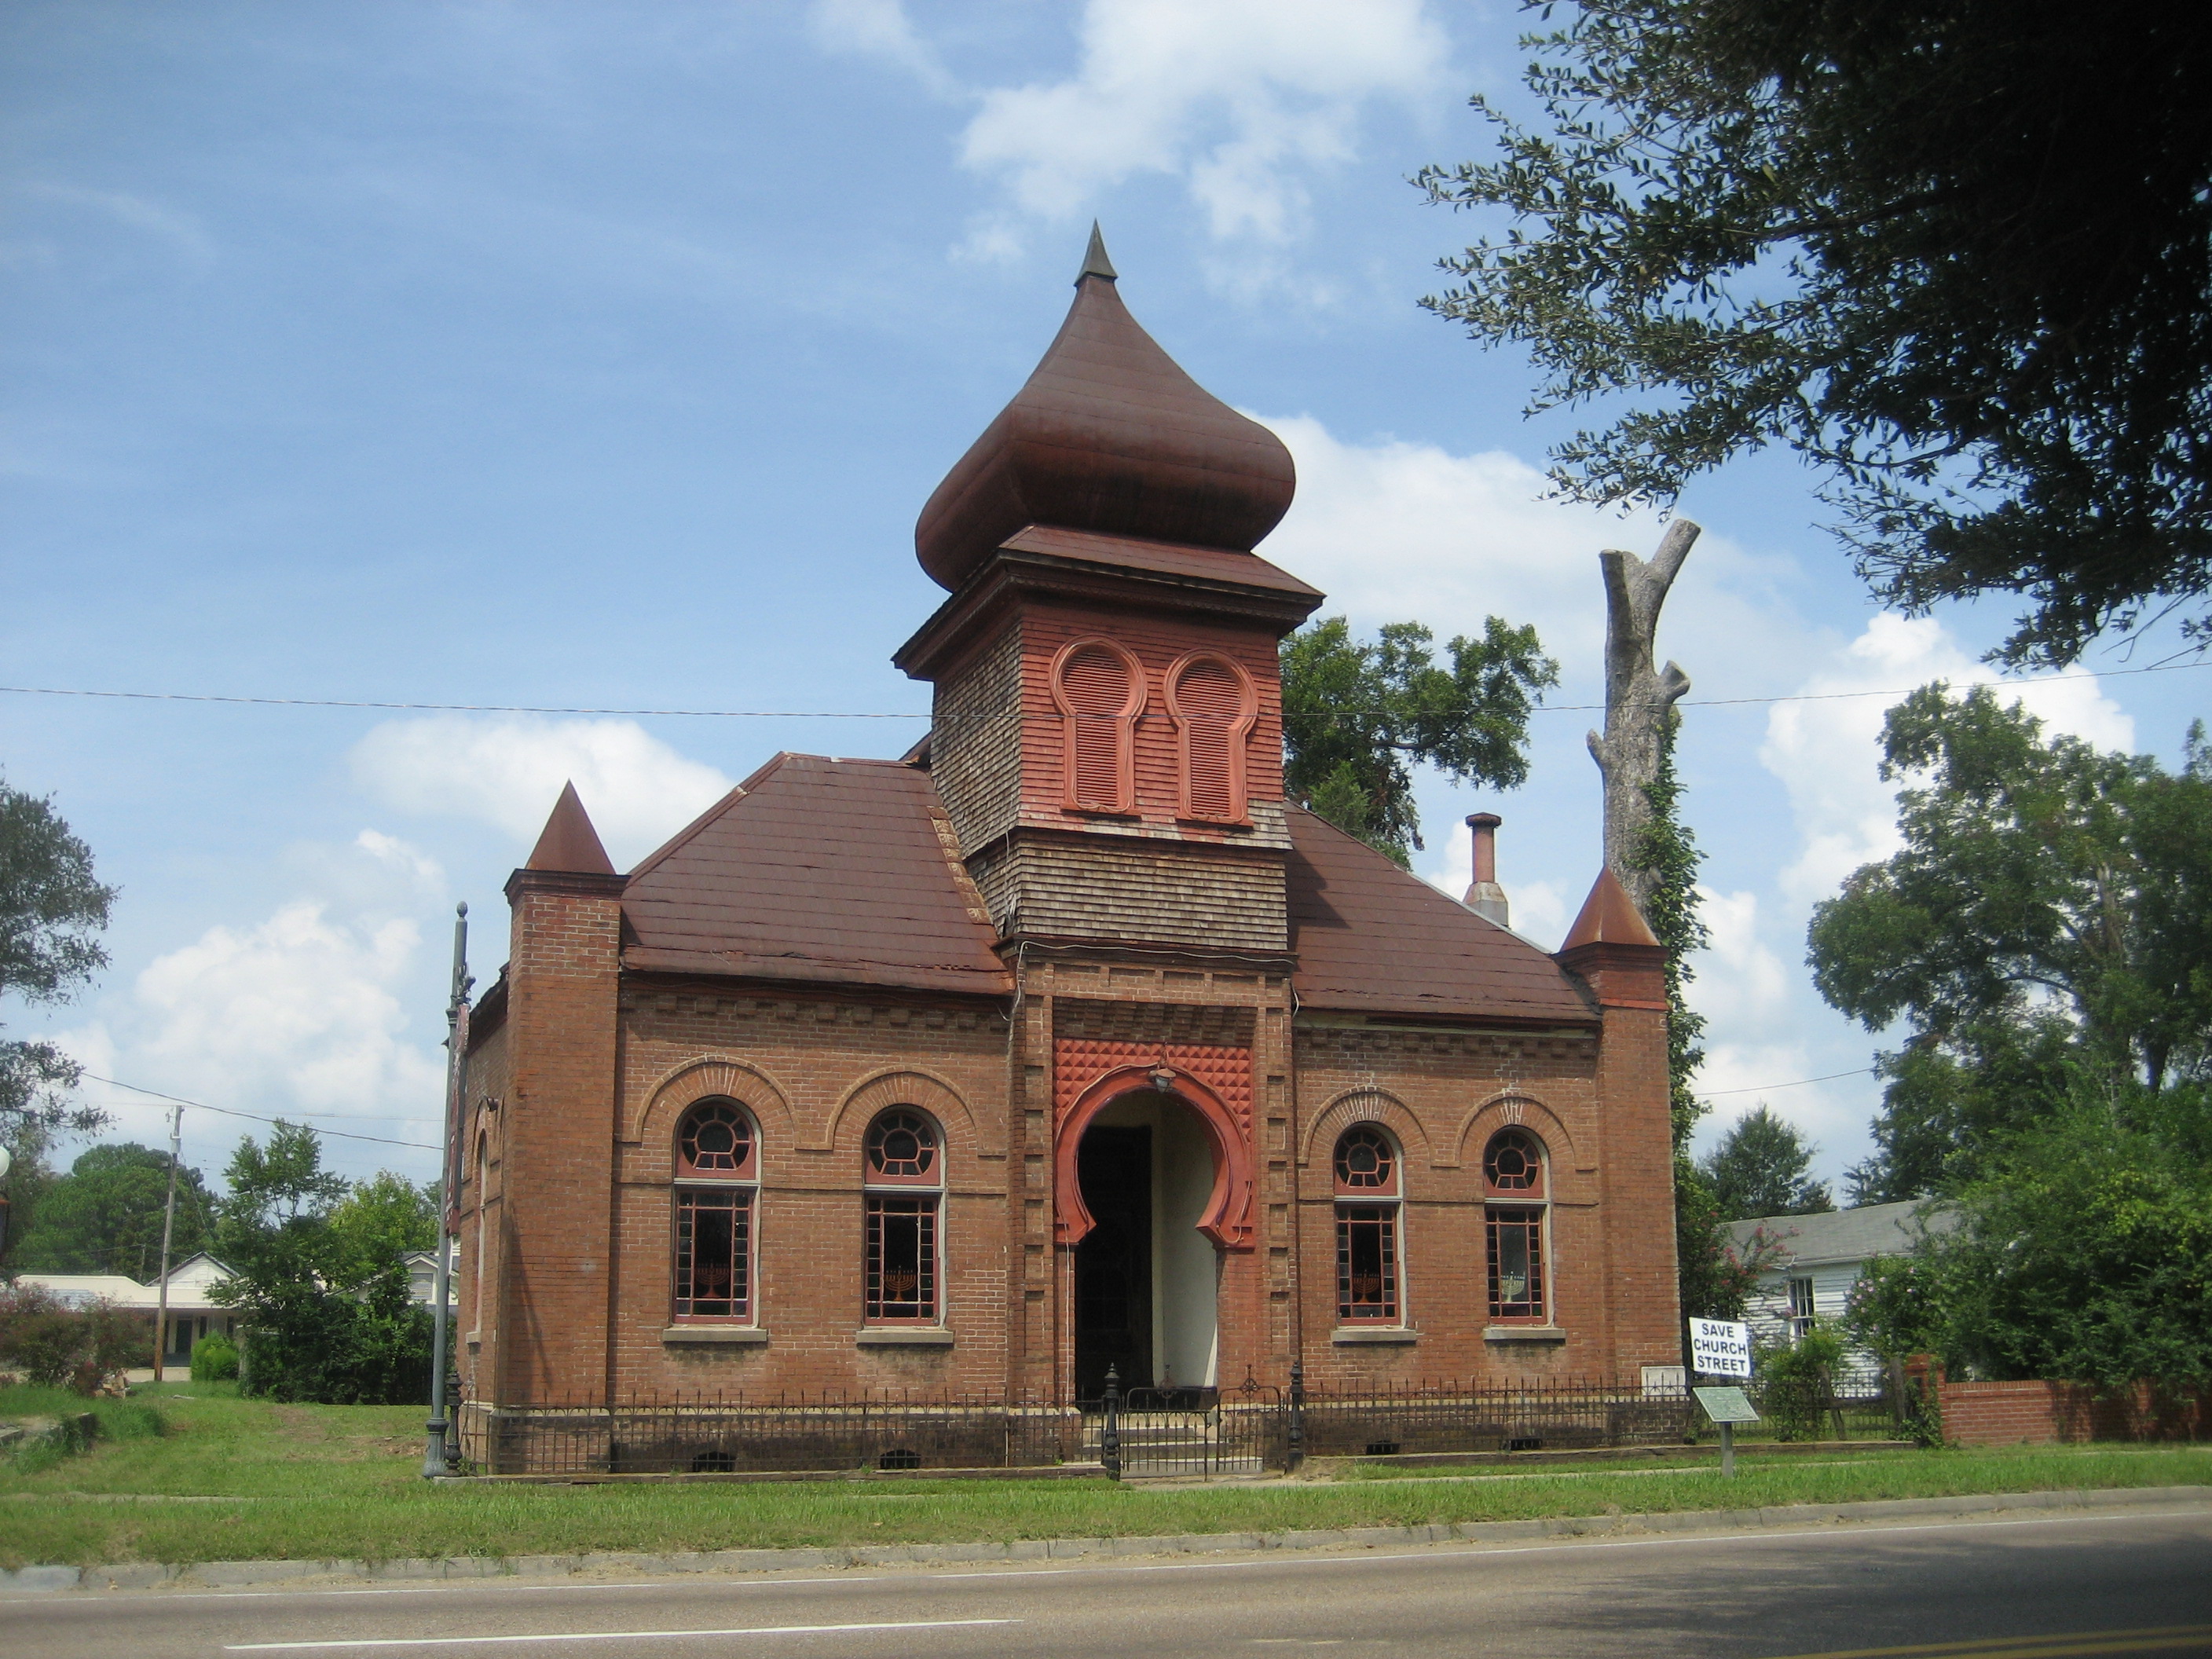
(457, 1066)
(168, 1231)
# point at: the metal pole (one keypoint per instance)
(457, 1062)
(1728, 1451)
(1109, 1448)
(168, 1231)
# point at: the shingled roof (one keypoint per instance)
(816, 870)
(1373, 938)
(834, 872)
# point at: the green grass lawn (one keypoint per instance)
(229, 1479)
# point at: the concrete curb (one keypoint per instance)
(231, 1574)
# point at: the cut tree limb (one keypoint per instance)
(1638, 700)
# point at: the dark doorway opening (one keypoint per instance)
(1114, 1262)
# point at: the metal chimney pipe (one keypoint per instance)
(1484, 896)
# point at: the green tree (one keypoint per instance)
(2085, 1254)
(105, 1216)
(1957, 256)
(1357, 716)
(1763, 1167)
(381, 1220)
(2050, 914)
(52, 912)
(325, 1309)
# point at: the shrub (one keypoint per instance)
(1800, 1382)
(55, 1345)
(369, 1348)
(215, 1360)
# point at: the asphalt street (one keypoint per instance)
(2002, 1589)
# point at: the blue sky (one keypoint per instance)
(601, 355)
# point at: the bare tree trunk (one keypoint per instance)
(1638, 702)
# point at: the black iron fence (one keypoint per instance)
(1251, 1428)
(1449, 1416)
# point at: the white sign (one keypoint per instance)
(1720, 1348)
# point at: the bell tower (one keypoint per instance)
(1107, 737)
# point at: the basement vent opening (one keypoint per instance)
(713, 1462)
(1525, 1442)
(899, 1457)
(1382, 1449)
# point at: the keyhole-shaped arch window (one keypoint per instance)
(1514, 1216)
(717, 1195)
(1368, 1201)
(1213, 703)
(1099, 689)
(901, 1270)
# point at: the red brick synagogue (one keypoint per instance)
(1063, 1042)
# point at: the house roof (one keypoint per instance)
(844, 871)
(1373, 937)
(189, 1281)
(1839, 1236)
(820, 870)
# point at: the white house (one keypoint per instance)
(1823, 1256)
(193, 1311)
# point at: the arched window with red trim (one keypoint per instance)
(1368, 1201)
(904, 1172)
(1099, 690)
(1515, 1207)
(1213, 703)
(717, 1190)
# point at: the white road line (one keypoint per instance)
(605, 1636)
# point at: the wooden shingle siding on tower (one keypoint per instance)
(1016, 950)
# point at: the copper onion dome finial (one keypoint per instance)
(1109, 437)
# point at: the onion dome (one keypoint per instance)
(1111, 437)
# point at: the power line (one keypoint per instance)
(228, 1111)
(878, 714)
(1762, 1088)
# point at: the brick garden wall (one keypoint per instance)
(2038, 1413)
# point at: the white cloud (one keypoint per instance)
(1392, 530)
(507, 772)
(312, 1011)
(879, 29)
(1239, 99)
(1827, 752)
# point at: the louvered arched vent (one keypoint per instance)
(1099, 687)
(1213, 703)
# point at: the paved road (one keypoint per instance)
(2010, 1589)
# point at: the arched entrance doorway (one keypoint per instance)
(1147, 1278)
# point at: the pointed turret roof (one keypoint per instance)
(568, 842)
(1610, 916)
(1108, 436)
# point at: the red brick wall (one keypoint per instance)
(2046, 1413)
(557, 1123)
(1442, 1095)
(814, 1069)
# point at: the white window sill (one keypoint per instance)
(1523, 1334)
(751, 1334)
(902, 1336)
(1350, 1335)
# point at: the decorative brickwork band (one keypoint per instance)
(1216, 1084)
